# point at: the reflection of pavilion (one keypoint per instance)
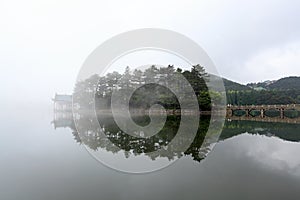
(63, 116)
(63, 120)
(62, 102)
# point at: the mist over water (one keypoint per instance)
(49, 153)
(40, 162)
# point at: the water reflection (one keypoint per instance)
(116, 141)
(284, 131)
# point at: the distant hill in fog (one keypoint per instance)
(283, 91)
(287, 83)
(228, 84)
(231, 85)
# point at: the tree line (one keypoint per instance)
(151, 86)
(149, 91)
(263, 97)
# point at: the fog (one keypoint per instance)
(44, 43)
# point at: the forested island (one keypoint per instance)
(149, 91)
(151, 86)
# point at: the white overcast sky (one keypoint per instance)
(44, 43)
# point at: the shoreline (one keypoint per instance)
(153, 112)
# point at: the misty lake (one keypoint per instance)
(43, 160)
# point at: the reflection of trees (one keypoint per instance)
(112, 139)
(138, 144)
(288, 132)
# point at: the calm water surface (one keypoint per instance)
(252, 160)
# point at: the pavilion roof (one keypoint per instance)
(63, 97)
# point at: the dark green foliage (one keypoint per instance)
(263, 97)
(150, 94)
(147, 88)
(233, 86)
(283, 91)
(288, 83)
